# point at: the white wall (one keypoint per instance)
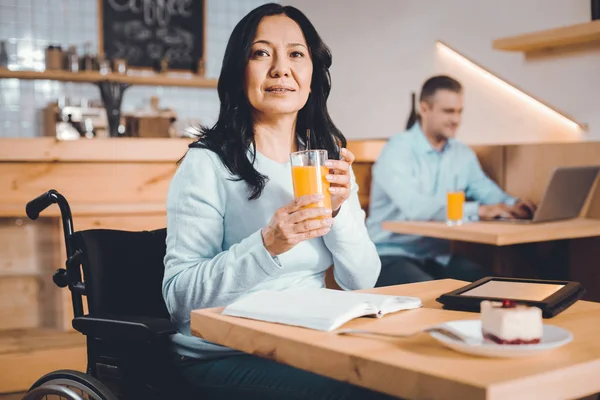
(384, 49)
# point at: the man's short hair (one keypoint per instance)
(440, 82)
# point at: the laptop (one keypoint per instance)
(564, 197)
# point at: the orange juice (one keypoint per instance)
(311, 180)
(454, 206)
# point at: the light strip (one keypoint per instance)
(509, 86)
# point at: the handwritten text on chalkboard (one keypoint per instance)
(144, 32)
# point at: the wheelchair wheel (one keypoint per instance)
(68, 385)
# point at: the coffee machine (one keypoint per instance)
(67, 121)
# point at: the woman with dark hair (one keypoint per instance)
(233, 226)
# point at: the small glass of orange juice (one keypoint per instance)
(308, 175)
(455, 201)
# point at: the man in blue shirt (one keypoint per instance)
(410, 181)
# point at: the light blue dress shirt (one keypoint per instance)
(409, 182)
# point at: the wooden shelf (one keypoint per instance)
(587, 32)
(94, 77)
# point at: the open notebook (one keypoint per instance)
(321, 309)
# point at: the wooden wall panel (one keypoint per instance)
(366, 151)
(28, 250)
(19, 302)
(362, 173)
(18, 247)
(529, 167)
(54, 256)
(142, 150)
(93, 183)
(491, 159)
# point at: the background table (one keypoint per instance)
(499, 233)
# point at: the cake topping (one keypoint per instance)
(508, 304)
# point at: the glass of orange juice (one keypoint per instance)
(308, 175)
(455, 201)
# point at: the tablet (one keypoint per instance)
(551, 296)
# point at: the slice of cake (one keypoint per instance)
(508, 323)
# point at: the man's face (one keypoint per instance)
(441, 115)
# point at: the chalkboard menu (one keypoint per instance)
(145, 32)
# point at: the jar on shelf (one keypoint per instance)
(87, 59)
(54, 57)
(164, 66)
(103, 65)
(72, 60)
(120, 65)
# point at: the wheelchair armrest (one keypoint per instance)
(124, 327)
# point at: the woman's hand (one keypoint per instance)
(293, 224)
(339, 177)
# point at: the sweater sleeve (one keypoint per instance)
(356, 264)
(199, 273)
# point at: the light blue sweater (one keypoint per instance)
(215, 253)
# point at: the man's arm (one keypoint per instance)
(481, 188)
(491, 201)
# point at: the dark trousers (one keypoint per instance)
(253, 378)
(396, 270)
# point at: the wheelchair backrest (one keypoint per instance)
(123, 271)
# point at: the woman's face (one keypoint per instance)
(279, 70)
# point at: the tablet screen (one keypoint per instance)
(514, 290)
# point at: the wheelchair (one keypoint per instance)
(127, 327)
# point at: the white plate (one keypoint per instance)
(552, 338)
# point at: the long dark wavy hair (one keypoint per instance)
(233, 135)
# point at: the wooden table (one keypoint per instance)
(419, 367)
(499, 233)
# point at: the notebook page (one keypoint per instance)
(389, 303)
(320, 309)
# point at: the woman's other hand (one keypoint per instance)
(339, 178)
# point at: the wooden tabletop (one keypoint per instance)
(420, 367)
(499, 233)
